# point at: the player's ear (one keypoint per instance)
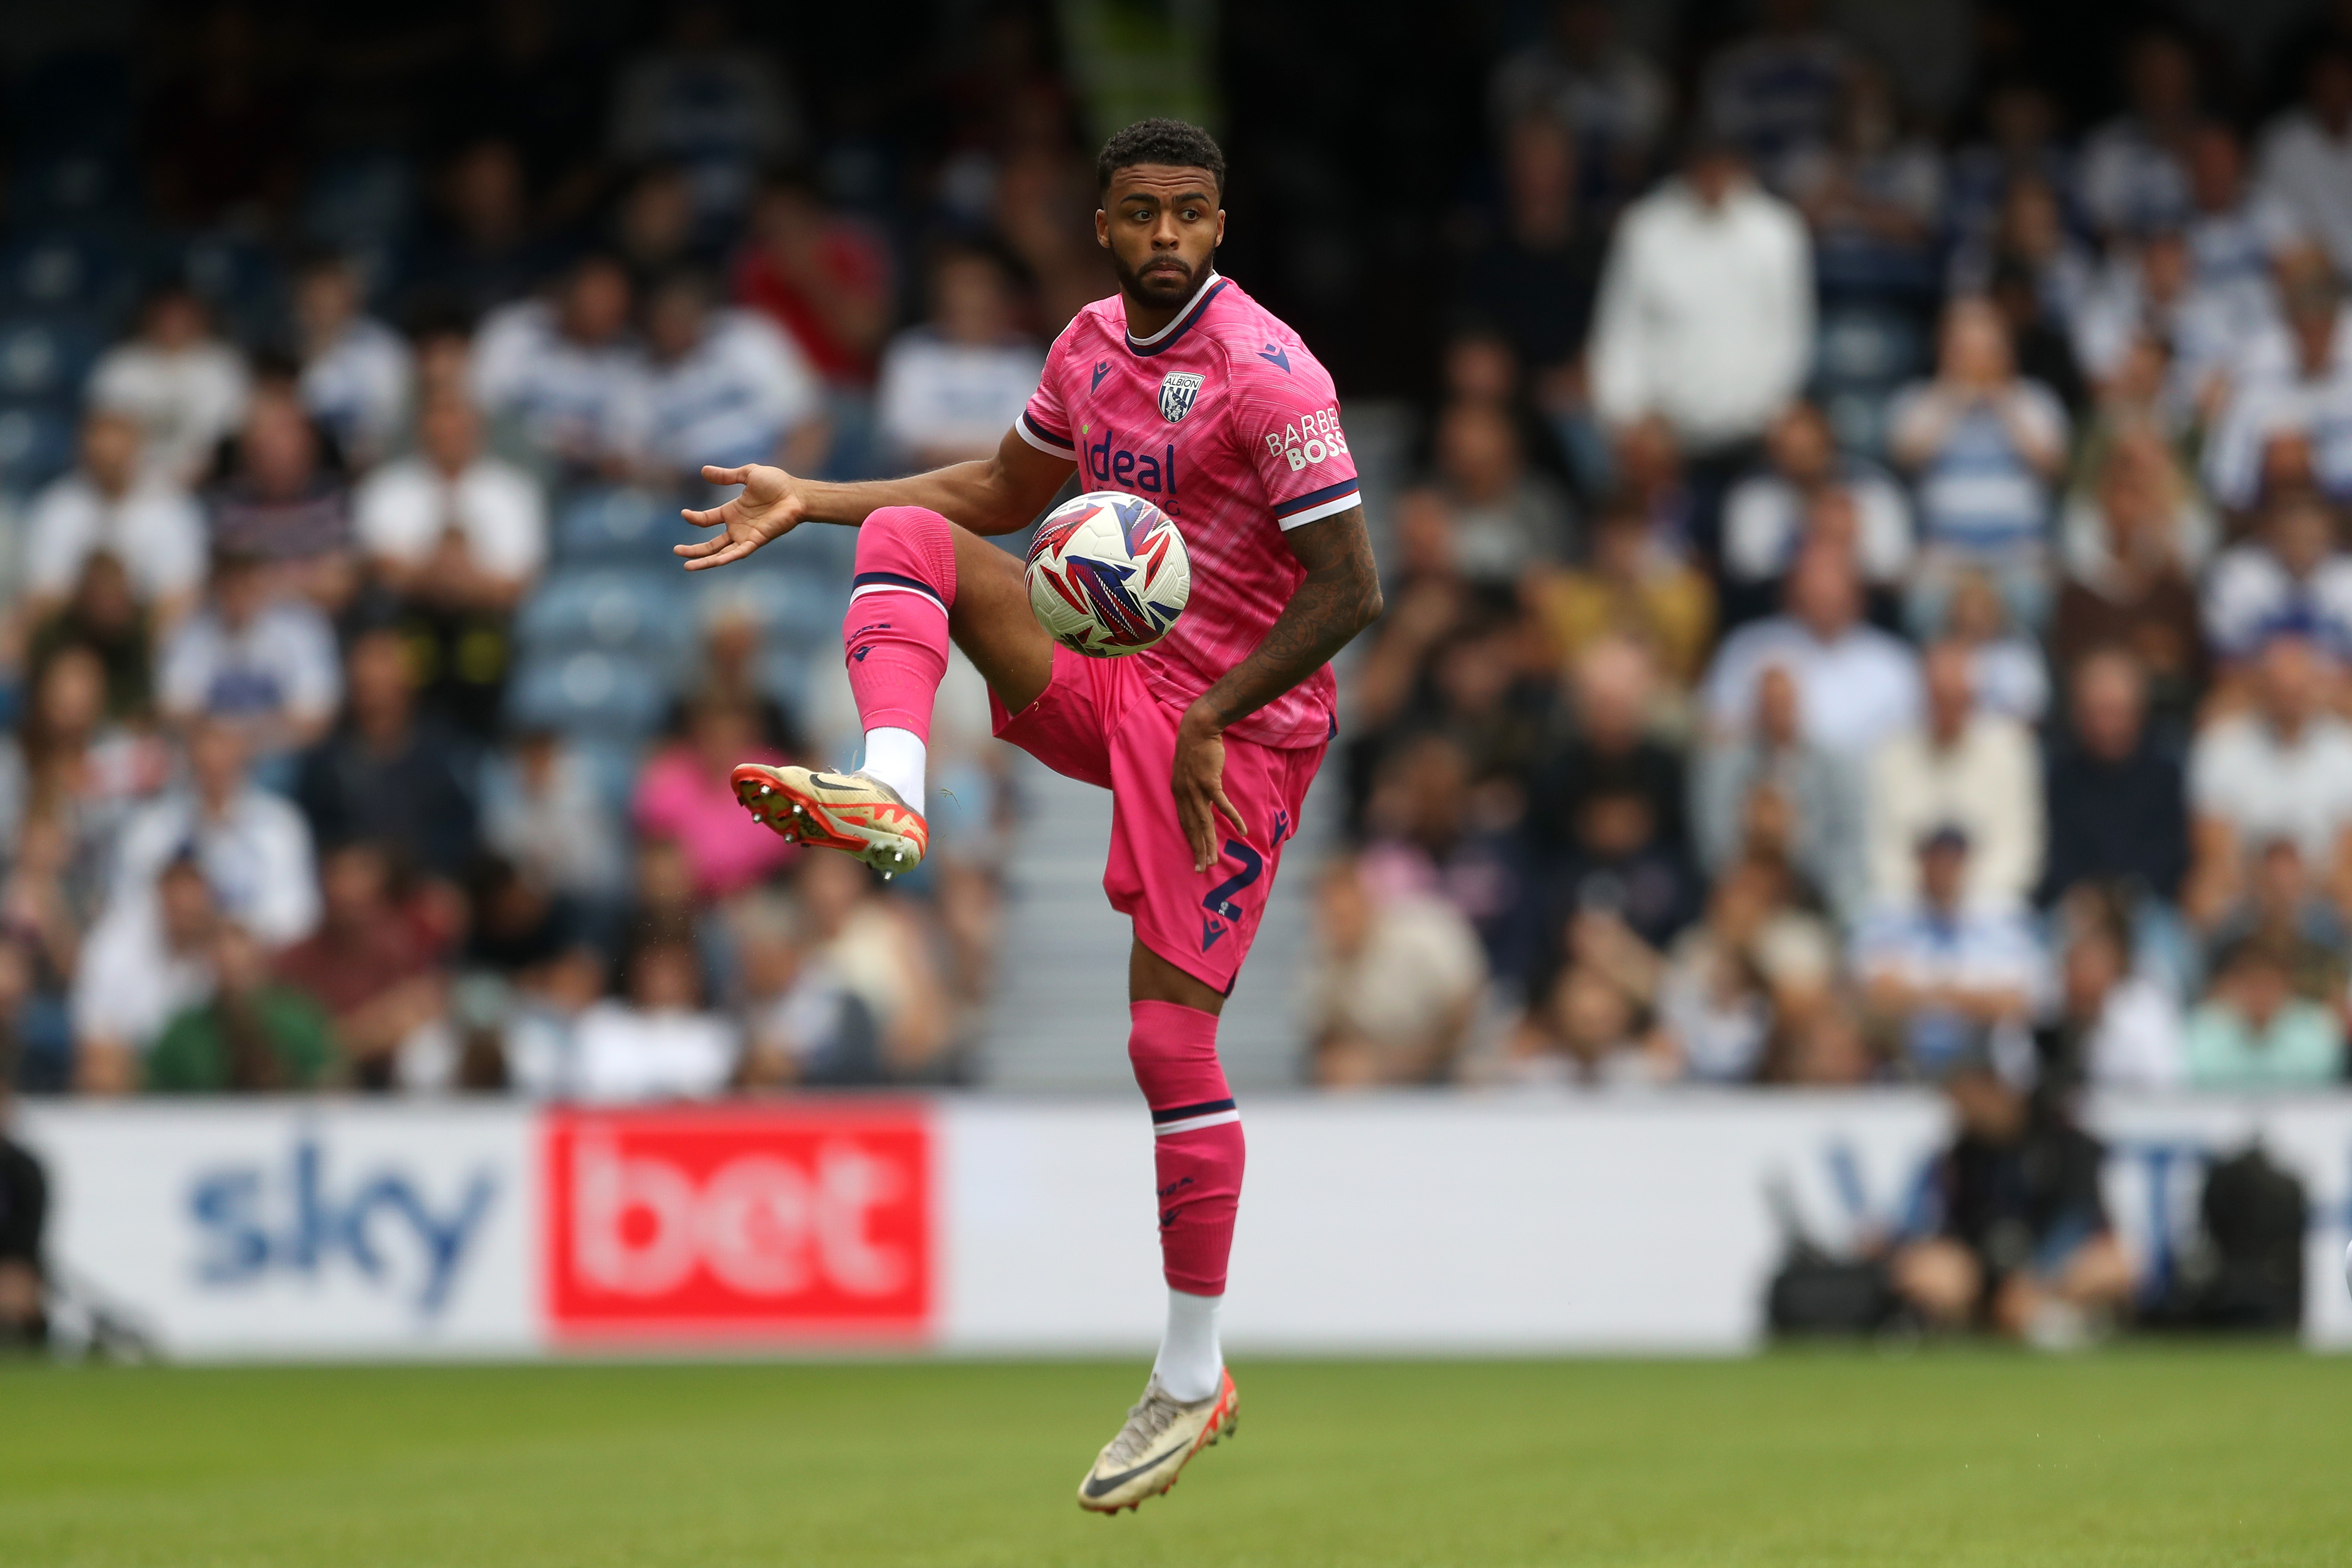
(1102, 229)
(1221, 228)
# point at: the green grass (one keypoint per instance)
(2137, 1456)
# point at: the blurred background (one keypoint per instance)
(1860, 489)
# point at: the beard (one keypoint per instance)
(1164, 287)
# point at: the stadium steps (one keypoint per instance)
(1059, 1021)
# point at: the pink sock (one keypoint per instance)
(1199, 1153)
(895, 634)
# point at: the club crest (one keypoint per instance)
(1177, 390)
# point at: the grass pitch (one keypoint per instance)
(2152, 1455)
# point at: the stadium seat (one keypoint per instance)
(588, 692)
(36, 444)
(1861, 354)
(635, 614)
(46, 358)
(619, 526)
(240, 279)
(793, 608)
(81, 270)
(72, 187)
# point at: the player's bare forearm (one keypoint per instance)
(992, 495)
(1340, 597)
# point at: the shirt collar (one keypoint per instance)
(1176, 323)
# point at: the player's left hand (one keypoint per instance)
(1200, 784)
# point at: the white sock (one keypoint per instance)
(895, 757)
(1190, 1356)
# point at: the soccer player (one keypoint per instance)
(1183, 390)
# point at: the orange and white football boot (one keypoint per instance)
(853, 812)
(1159, 1438)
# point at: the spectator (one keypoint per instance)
(2291, 577)
(1769, 514)
(1612, 750)
(1945, 975)
(2287, 909)
(542, 810)
(23, 1218)
(148, 957)
(2305, 161)
(2135, 175)
(2283, 770)
(1768, 792)
(283, 503)
(2115, 809)
(2029, 248)
(2129, 559)
(357, 373)
(261, 661)
(2151, 291)
(2006, 666)
(657, 1040)
(1394, 987)
(1581, 73)
(684, 795)
(1775, 93)
(182, 387)
(103, 617)
(480, 253)
(803, 1026)
(879, 951)
(2116, 1029)
(1707, 308)
(567, 373)
(1533, 276)
(456, 536)
(254, 1034)
(951, 387)
(69, 758)
(2252, 1032)
(370, 965)
(823, 278)
(2234, 230)
(2300, 386)
(108, 505)
(1857, 684)
(1984, 446)
(253, 847)
(2021, 1236)
(1646, 465)
(387, 773)
(722, 388)
(710, 102)
(2020, 149)
(1871, 194)
(1977, 771)
(1753, 964)
(653, 225)
(1588, 1029)
(1630, 587)
(1506, 520)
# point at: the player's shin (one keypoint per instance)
(895, 638)
(1198, 1156)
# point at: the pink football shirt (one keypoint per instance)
(1225, 422)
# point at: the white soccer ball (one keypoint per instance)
(1107, 573)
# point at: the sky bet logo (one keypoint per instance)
(1147, 473)
(254, 1220)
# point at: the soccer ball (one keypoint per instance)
(1108, 575)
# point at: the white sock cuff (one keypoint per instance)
(896, 757)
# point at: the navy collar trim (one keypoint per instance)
(1144, 348)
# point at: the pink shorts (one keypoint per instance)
(1098, 722)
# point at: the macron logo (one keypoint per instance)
(1102, 369)
(1273, 354)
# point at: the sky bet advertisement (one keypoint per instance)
(286, 1229)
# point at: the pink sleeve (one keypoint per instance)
(1045, 424)
(1287, 421)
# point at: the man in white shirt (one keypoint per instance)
(1946, 974)
(452, 517)
(109, 503)
(2290, 577)
(1395, 984)
(356, 372)
(185, 388)
(2306, 162)
(1979, 772)
(951, 386)
(253, 847)
(2281, 771)
(2297, 381)
(568, 372)
(1767, 516)
(722, 386)
(1706, 307)
(1857, 685)
(148, 956)
(264, 662)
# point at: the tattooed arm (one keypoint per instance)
(1340, 597)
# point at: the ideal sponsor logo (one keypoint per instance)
(1309, 441)
(1150, 472)
(729, 1221)
(298, 1218)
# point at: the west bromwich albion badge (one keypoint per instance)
(1178, 388)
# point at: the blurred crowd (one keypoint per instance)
(1868, 580)
(1872, 602)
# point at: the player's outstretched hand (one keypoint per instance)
(769, 506)
(1200, 785)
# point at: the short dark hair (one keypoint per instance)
(1172, 142)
